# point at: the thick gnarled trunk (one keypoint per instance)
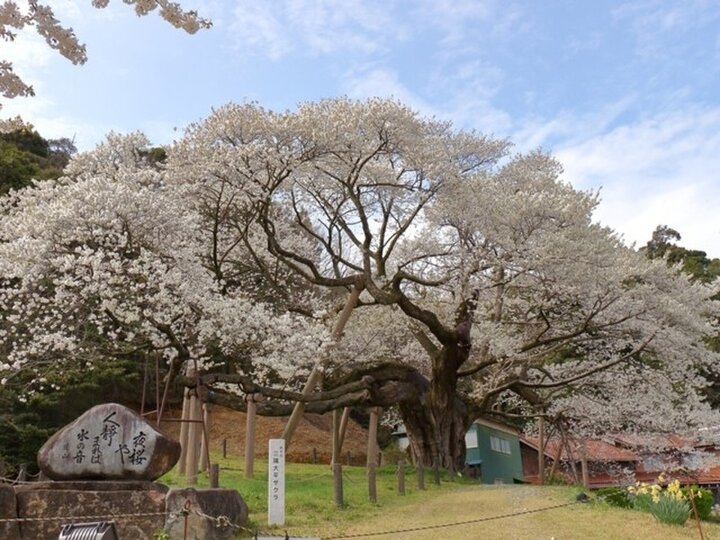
(437, 436)
(437, 422)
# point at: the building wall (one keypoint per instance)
(499, 453)
(530, 461)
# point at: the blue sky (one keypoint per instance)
(625, 93)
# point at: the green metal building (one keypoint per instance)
(494, 450)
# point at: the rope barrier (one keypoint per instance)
(454, 524)
(15, 481)
(301, 480)
(121, 517)
(224, 522)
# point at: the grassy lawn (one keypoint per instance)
(311, 512)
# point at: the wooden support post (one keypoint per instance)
(585, 474)
(214, 475)
(313, 381)
(401, 477)
(571, 457)
(335, 463)
(338, 485)
(372, 454)
(372, 444)
(420, 475)
(314, 456)
(205, 439)
(556, 461)
(315, 376)
(335, 450)
(184, 428)
(343, 425)
(541, 453)
(191, 467)
(372, 482)
(161, 408)
(157, 390)
(224, 448)
(250, 436)
(584, 466)
(349, 458)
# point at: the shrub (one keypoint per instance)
(671, 510)
(393, 453)
(615, 497)
(642, 502)
(703, 499)
(644, 496)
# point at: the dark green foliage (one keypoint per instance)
(17, 167)
(25, 155)
(703, 499)
(27, 140)
(26, 425)
(694, 262)
(155, 155)
(671, 510)
(618, 497)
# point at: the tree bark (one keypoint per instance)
(436, 422)
(435, 417)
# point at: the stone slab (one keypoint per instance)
(73, 506)
(8, 510)
(210, 502)
(108, 441)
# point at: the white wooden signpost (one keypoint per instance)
(276, 482)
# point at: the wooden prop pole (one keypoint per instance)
(250, 436)
(315, 377)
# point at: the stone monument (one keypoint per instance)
(108, 442)
(102, 467)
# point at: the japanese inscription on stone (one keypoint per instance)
(101, 444)
(108, 441)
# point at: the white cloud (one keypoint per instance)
(369, 81)
(470, 21)
(467, 107)
(40, 112)
(570, 127)
(258, 29)
(28, 51)
(653, 20)
(661, 170)
(314, 27)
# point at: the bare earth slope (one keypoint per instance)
(313, 432)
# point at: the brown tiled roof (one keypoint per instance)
(669, 440)
(594, 450)
(630, 448)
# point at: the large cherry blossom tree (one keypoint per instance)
(485, 287)
(107, 262)
(482, 273)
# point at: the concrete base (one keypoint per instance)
(8, 510)
(138, 509)
(216, 503)
(78, 506)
